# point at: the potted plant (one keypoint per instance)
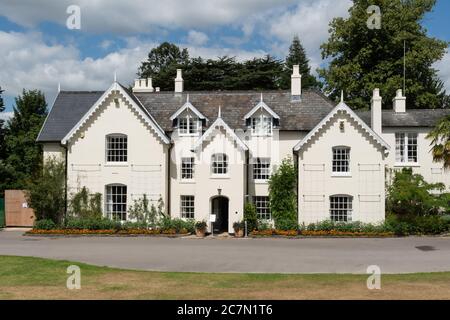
(239, 229)
(200, 229)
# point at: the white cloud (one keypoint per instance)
(30, 63)
(443, 68)
(6, 115)
(118, 16)
(197, 38)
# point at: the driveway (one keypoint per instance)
(402, 255)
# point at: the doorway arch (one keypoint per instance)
(219, 207)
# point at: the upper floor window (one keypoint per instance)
(341, 208)
(406, 147)
(261, 169)
(187, 168)
(341, 160)
(116, 148)
(116, 202)
(219, 163)
(262, 125)
(188, 125)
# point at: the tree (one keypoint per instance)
(46, 191)
(297, 55)
(83, 204)
(2, 128)
(440, 140)
(250, 216)
(162, 63)
(282, 193)
(364, 59)
(23, 155)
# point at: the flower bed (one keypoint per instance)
(321, 233)
(149, 232)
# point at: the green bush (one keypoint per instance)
(250, 216)
(44, 224)
(410, 194)
(143, 212)
(263, 225)
(166, 223)
(93, 224)
(417, 225)
(286, 225)
(83, 204)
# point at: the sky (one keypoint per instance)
(39, 51)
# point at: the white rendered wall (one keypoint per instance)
(317, 182)
(145, 171)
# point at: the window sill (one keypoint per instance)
(186, 181)
(260, 181)
(407, 164)
(341, 175)
(116, 164)
(215, 176)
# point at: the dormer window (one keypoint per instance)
(262, 125)
(188, 126)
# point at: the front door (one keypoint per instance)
(220, 209)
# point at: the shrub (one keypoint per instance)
(83, 204)
(200, 225)
(46, 192)
(177, 225)
(92, 224)
(263, 225)
(44, 224)
(410, 194)
(417, 225)
(142, 212)
(250, 216)
(286, 225)
(282, 192)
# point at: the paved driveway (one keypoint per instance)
(403, 255)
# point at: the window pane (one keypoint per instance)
(116, 202)
(187, 207)
(219, 163)
(261, 169)
(341, 159)
(116, 148)
(262, 205)
(341, 208)
(187, 168)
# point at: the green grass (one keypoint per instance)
(36, 278)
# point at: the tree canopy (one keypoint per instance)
(364, 58)
(224, 73)
(23, 157)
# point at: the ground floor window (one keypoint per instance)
(187, 207)
(341, 208)
(262, 205)
(116, 202)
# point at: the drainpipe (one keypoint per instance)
(65, 182)
(169, 213)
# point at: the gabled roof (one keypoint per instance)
(135, 103)
(342, 107)
(187, 106)
(219, 123)
(259, 106)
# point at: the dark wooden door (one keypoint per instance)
(220, 209)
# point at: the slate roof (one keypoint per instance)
(70, 106)
(411, 118)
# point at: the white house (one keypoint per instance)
(207, 153)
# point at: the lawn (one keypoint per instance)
(36, 278)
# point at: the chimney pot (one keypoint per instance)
(179, 82)
(143, 85)
(399, 102)
(296, 83)
(376, 112)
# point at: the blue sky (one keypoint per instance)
(116, 35)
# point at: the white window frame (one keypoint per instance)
(219, 162)
(341, 208)
(187, 169)
(406, 148)
(116, 202)
(262, 125)
(261, 169)
(340, 162)
(187, 207)
(116, 148)
(188, 126)
(262, 205)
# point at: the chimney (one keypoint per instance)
(179, 83)
(399, 102)
(296, 83)
(375, 110)
(143, 85)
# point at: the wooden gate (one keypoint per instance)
(16, 208)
